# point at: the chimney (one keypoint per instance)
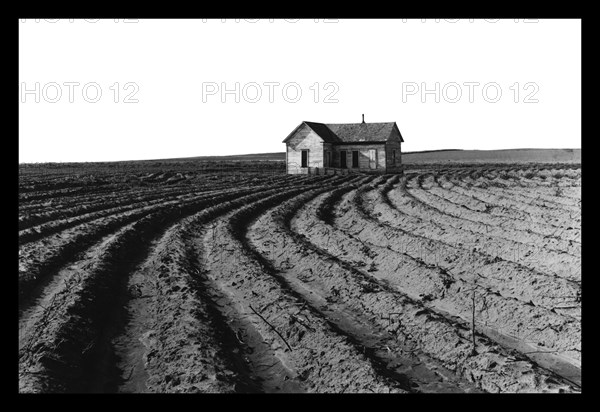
(363, 118)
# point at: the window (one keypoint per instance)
(305, 158)
(394, 157)
(327, 158)
(343, 164)
(355, 158)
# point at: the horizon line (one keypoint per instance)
(283, 152)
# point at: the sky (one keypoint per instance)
(108, 90)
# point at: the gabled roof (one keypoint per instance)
(351, 132)
(324, 132)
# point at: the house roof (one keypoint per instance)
(351, 132)
(362, 132)
(324, 132)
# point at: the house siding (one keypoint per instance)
(328, 147)
(363, 156)
(394, 143)
(304, 139)
(392, 166)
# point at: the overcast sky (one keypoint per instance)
(146, 89)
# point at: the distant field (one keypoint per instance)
(435, 156)
(262, 162)
(245, 157)
(495, 156)
(164, 169)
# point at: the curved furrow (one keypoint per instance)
(37, 233)
(60, 334)
(39, 260)
(115, 192)
(63, 340)
(519, 262)
(468, 206)
(554, 203)
(551, 175)
(181, 334)
(542, 220)
(332, 280)
(486, 200)
(557, 197)
(62, 185)
(40, 231)
(516, 174)
(569, 194)
(69, 205)
(564, 337)
(413, 274)
(568, 197)
(507, 187)
(505, 227)
(44, 195)
(493, 275)
(542, 281)
(392, 358)
(139, 186)
(524, 250)
(529, 177)
(312, 349)
(556, 215)
(95, 203)
(428, 374)
(511, 177)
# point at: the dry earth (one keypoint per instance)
(183, 282)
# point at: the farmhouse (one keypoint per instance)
(315, 148)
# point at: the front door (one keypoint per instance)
(328, 159)
(372, 158)
(355, 158)
(305, 158)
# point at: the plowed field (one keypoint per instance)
(455, 279)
